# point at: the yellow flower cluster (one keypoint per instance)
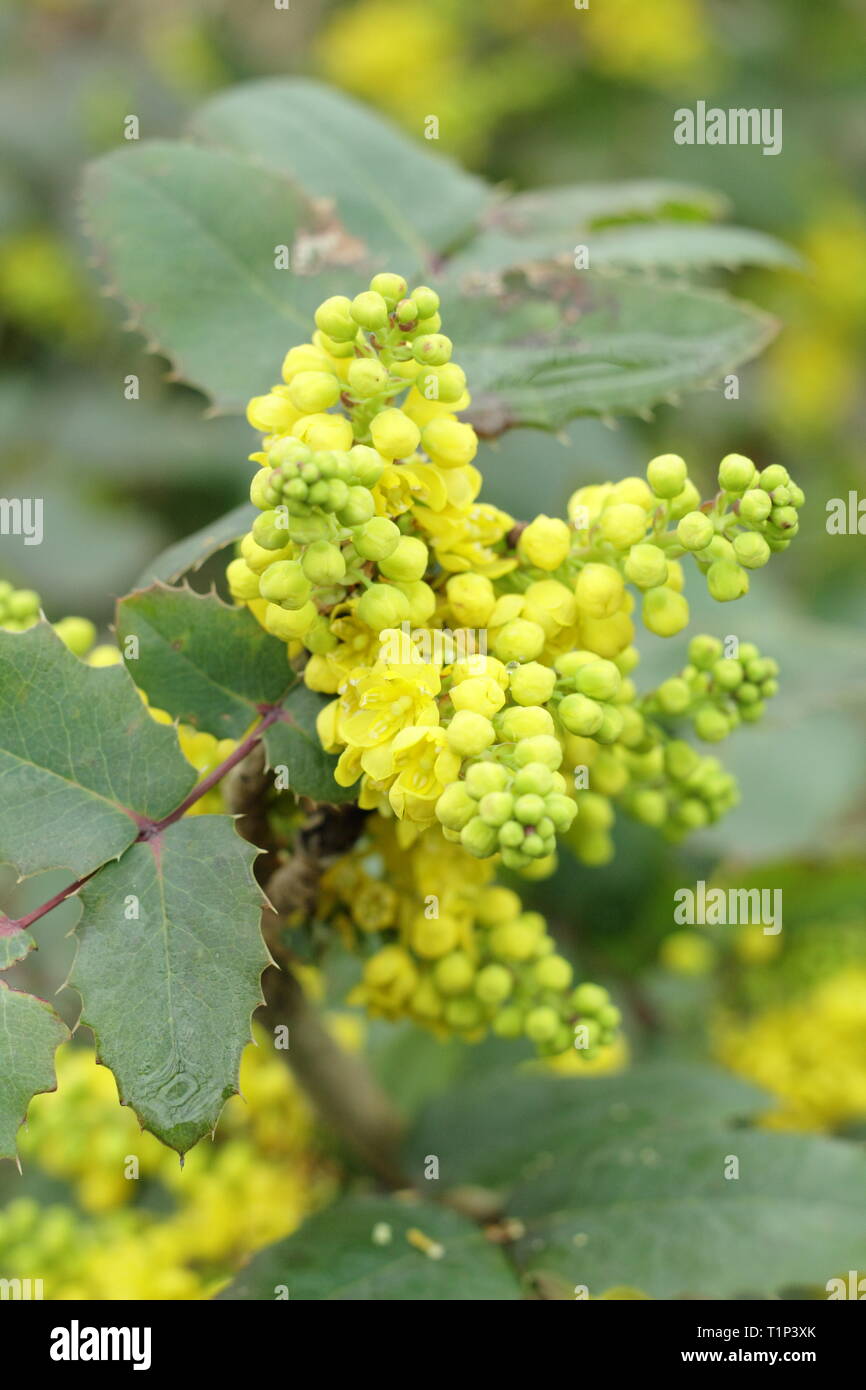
(480, 667)
(810, 1052)
(450, 949)
(139, 1225)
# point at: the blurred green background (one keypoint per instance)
(529, 93)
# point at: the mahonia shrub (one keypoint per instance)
(481, 668)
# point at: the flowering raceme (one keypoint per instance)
(522, 724)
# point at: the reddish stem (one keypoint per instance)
(150, 829)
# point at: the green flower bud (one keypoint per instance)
(454, 973)
(426, 300)
(493, 984)
(646, 566)
(747, 693)
(478, 838)
(667, 475)
(469, 733)
(755, 506)
(496, 808)
(263, 493)
(719, 548)
(727, 673)
(784, 518)
(455, 807)
(433, 350)
(695, 531)
(511, 834)
(711, 724)
(704, 650)
(611, 724)
(285, 583)
(589, 999)
(377, 538)
(753, 712)
(323, 563)
(367, 466)
(624, 524)
(686, 501)
(542, 1024)
(532, 683)
(680, 760)
(390, 287)
(539, 748)
(381, 606)
(369, 310)
(445, 384)
(484, 777)
(406, 312)
(367, 377)
(271, 529)
(649, 807)
(529, 808)
(751, 549)
(533, 778)
(554, 972)
(407, 561)
(334, 317)
(78, 634)
(727, 580)
(736, 473)
(359, 507)
(600, 680)
(580, 715)
(773, 477)
(508, 1023)
(674, 696)
(561, 810)
(664, 611)
(312, 392)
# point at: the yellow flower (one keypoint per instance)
(424, 766)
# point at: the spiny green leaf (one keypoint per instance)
(14, 945)
(336, 1257)
(581, 343)
(81, 761)
(30, 1034)
(188, 555)
(293, 743)
(630, 1180)
(404, 203)
(633, 245)
(497, 1129)
(168, 971)
(207, 663)
(189, 238)
(567, 208)
(658, 1212)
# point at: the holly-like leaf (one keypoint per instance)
(15, 944)
(188, 555)
(190, 237)
(493, 1130)
(405, 204)
(82, 764)
(633, 245)
(566, 209)
(650, 1180)
(580, 343)
(30, 1034)
(293, 743)
(168, 965)
(213, 666)
(358, 1250)
(207, 663)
